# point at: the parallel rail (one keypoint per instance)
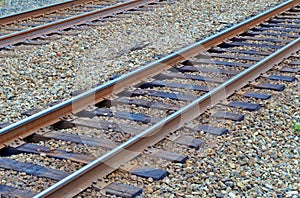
(109, 162)
(42, 30)
(52, 115)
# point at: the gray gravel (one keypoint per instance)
(8, 7)
(36, 75)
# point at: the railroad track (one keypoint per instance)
(134, 112)
(37, 27)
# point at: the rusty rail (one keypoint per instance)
(63, 24)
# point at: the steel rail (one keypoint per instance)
(7, 19)
(30, 125)
(35, 32)
(113, 159)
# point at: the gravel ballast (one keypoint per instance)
(37, 75)
(8, 7)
